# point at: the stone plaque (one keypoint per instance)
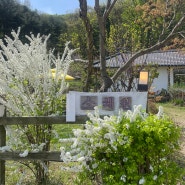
(125, 103)
(88, 102)
(108, 103)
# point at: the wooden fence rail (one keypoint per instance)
(43, 156)
(40, 120)
(2, 162)
(46, 156)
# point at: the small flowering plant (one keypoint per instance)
(131, 148)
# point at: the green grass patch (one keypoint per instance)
(176, 113)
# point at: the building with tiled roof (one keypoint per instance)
(170, 63)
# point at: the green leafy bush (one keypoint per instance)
(132, 148)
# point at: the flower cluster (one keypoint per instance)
(26, 85)
(130, 148)
(29, 88)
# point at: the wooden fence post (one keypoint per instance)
(2, 143)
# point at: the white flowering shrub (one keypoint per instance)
(28, 88)
(131, 148)
(26, 84)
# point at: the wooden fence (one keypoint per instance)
(14, 155)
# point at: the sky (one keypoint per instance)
(59, 7)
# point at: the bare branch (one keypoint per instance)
(81, 60)
(182, 35)
(97, 7)
(109, 8)
(170, 23)
(83, 8)
(181, 21)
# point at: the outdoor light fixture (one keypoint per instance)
(143, 81)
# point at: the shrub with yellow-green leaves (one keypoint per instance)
(131, 148)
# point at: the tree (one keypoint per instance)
(28, 89)
(14, 14)
(75, 32)
(170, 29)
(140, 26)
(9, 18)
(27, 3)
(90, 45)
(102, 17)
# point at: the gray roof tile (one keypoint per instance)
(161, 58)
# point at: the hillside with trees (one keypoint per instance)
(14, 15)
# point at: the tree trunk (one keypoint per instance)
(90, 43)
(42, 175)
(42, 134)
(107, 81)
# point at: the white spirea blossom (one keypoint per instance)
(123, 178)
(36, 148)
(160, 112)
(90, 139)
(137, 112)
(26, 83)
(24, 154)
(142, 180)
(29, 88)
(125, 159)
(155, 177)
(5, 149)
(151, 168)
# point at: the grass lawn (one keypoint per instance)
(177, 113)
